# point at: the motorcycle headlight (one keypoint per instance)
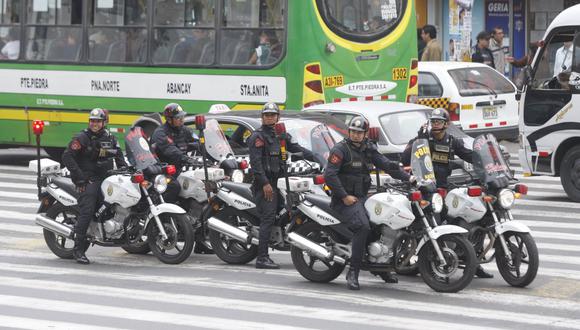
(238, 176)
(437, 203)
(506, 198)
(160, 183)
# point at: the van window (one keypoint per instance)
(556, 57)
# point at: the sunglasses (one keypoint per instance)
(437, 121)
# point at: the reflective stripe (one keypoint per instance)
(366, 98)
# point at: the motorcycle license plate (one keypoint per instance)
(490, 113)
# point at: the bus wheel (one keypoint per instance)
(570, 173)
(54, 153)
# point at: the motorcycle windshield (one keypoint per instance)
(421, 164)
(313, 136)
(216, 144)
(488, 162)
(137, 149)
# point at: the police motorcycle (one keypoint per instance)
(483, 208)
(234, 221)
(132, 215)
(321, 245)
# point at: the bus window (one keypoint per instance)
(10, 11)
(184, 32)
(54, 30)
(118, 32)
(254, 13)
(361, 20)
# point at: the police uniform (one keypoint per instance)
(442, 151)
(267, 167)
(171, 145)
(88, 157)
(348, 173)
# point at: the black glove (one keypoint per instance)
(190, 161)
(81, 185)
(423, 132)
(152, 170)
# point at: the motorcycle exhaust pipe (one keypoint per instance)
(313, 248)
(230, 231)
(54, 226)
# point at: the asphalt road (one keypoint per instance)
(118, 290)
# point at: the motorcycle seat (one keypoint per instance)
(323, 202)
(242, 189)
(67, 185)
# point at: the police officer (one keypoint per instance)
(267, 167)
(443, 147)
(88, 157)
(348, 176)
(172, 141)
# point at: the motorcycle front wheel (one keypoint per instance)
(459, 267)
(61, 246)
(179, 243)
(310, 267)
(523, 267)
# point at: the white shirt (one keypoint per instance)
(563, 60)
(11, 49)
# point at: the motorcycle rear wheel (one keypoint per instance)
(330, 270)
(524, 251)
(231, 250)
(179, 241)
(459, 256)
(57, 243)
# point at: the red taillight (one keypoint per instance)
(521, 188)
(442, 192)
(315, 85)
(243, 164)
(37, 127)
(415, 196)
(373, 134)
(453, 111)
(413, 81)
(170, 169)
(414, 64)
(474, 191)
(137, 178)
(319, 179)
(280, 128)
(200, 122)
(314, 68)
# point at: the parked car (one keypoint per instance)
(479, 99)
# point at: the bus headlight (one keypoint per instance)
(160, 183)
(237, 176)
(506, 198)
(437, 203)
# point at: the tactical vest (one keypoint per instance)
(354, 175)
(97, 157)
(272, 161)
(441, 153)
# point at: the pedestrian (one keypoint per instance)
(501, 57)
(481, 53)
(432, 50)
(267, 168)
(88, 157)
(563, 59)
(348, 176)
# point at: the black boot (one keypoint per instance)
(81, 245)
(266, 263)
(481, 273)
(352, 279)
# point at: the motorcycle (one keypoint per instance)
(132, 214)
(483, 208)
(321, 245)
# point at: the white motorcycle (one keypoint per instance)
(483, 208)
(321, 244)
(133, 214)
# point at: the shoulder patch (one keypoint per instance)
(335, 159)
(259, 143)
(75, 145)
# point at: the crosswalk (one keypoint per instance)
(121, 291)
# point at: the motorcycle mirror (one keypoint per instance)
(200, 122)
(373, 134)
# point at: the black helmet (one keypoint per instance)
(439, 113)
(358, 123)
(271, 107)
(99, 114)
(173, 110)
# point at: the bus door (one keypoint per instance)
(551, 105)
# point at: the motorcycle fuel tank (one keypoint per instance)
(191, 186)
(461, 205)
(118, 189)
(393, 210)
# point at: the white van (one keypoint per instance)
(550, 105)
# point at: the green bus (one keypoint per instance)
(61, 58)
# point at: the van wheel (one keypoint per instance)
(570, 173)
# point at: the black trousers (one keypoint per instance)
(267, 210)
(88, 201)
(172, 193)
(355, 216)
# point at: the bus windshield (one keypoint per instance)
(362, 20)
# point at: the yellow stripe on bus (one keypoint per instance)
(61, 116)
